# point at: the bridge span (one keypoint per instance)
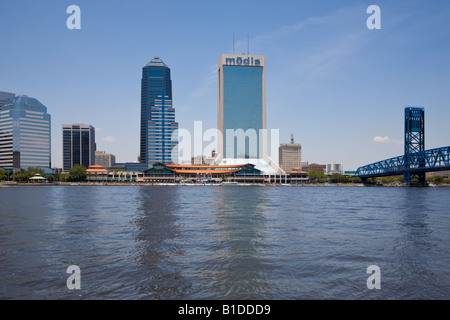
(416, 161)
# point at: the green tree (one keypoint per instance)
(435, 179)
(356, 179)
(24, 175)
(77, 173)
(339, 178)
(3, 175)
(64, 177)
(317, 176)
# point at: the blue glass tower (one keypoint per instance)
(241, 118)
(25, 129)
(157, 113)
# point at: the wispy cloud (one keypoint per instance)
(110, 139)
(386, 139)
(379, 139)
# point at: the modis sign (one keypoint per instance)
(244, 61)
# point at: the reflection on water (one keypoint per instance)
(200, 242)
(242, 218)
(156, 245)
(414, 243)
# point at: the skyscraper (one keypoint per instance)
(78, 145)
(25, 128)
(241, 118)
(157, 114)
(5, 96)
(290, 155)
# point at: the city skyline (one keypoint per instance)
(338, 86)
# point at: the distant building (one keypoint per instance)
(290, 155)
(198, 160)
(314, 166)
(78, 145)
(444, 174)
(104, 159)
(333, 168)
(209, 161)
(5, 96)
(25, 134)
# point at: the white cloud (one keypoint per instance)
(379, 139)
(109, 139)
(386, 139)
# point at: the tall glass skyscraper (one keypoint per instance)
(157, 114)
(78, 145)
(25, 134)
(241, 117)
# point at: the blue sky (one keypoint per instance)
(339, 87)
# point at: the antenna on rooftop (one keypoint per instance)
(248, 45)
(233, 43)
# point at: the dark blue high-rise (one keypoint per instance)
(157, 113)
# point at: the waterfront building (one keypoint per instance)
(5, 96)
(99, 174)
(298, 176)
(104, 159)
(129, 166)
(241, 119)
(160, 172)
(78, 145)
(290, 155)
(25, 134)
(95, 170)
(157, 114)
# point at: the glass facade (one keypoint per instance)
(157, 113)
(78, 145)
(161, 126)
(4, 96)
(25, 131)
(242, 111)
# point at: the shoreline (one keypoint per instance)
(12, 184)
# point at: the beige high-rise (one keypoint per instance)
(290, 155)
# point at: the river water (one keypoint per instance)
(214, 242)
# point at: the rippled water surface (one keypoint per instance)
(210, 242)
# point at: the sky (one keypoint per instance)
(339, 87)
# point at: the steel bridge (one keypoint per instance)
(416, 161)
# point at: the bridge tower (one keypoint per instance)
(414, 142)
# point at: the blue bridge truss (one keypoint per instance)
(420, 162)
(416, 161)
